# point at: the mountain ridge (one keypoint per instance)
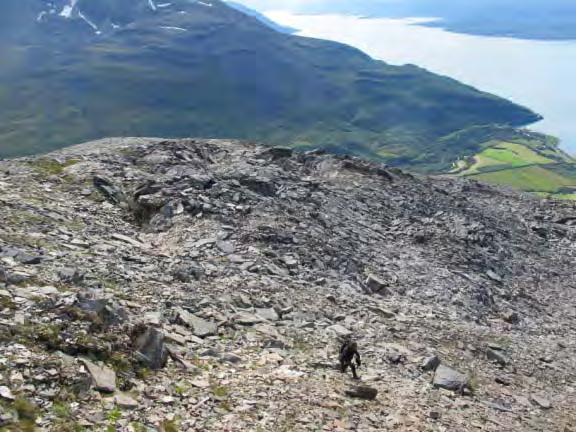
(213, 71)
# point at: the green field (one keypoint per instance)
(531, 163)
(505, 155)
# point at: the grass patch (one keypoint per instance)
(49, 167)
(170, 426)
(505, 155)
(530, 179)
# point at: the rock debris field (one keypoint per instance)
(206, 285)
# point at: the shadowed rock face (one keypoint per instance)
(217, 250)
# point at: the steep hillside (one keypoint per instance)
(74, 71)
(193, 285)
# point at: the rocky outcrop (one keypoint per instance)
(206, 285)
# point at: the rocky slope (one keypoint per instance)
(204, 285)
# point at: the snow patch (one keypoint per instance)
(163, 5)
(152, 5)
(41, 16)
(90, 23)
(68, 9)
(173, 28)
(205, 4)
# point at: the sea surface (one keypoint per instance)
(538, 74)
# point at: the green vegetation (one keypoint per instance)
(48, 166)
(523, 160)
(229, 76)
(27, 413)
(170, 425)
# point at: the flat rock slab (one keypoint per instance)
(449, 379)
(362, 392)
(103, 378)
(339, 330)
(541, 401)
(247, 318)
(200, 327)
(6, 393)
(269, 314)
(124, 400)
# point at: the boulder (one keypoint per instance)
(111, 192)
(125, 401)
(6, 393)
(430, 363)
(105, 309)
(377, 285)
(362, 392)
(150, 348)
(449, 379)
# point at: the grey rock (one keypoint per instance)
(396, 358)
(497, 357)
(290, 262)
(275, 344)
(377, 285)
(231, 358)
(125, 401)
(339, 331)
(242, 301)
(6, 393)
(498, 406)
(449, 379)
(430, 363)
(200, 327)
(511, 317)
(505, 381)
(103, 378)
(210, 352)
(247, 318)
(188, 272)
(29, 259)
(150, 349)
(70, 275)
(226, 247)
(541, 401)
(384, 313)
(110, 191)
(108, 312)
(269, 314)
(362, 392)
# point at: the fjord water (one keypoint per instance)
(538, 74)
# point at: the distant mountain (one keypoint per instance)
(527, 19)
(78, 70)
